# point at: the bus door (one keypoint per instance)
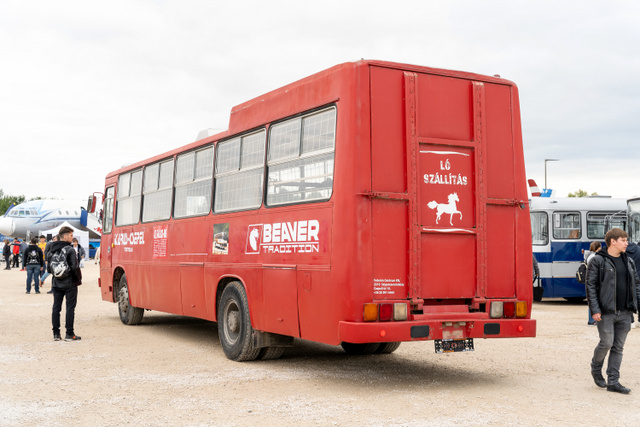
(437, 196)
(106, 242)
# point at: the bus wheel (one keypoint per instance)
(537, 293)
(270, 353)
(387, 347)
(234, 324)
(129, 315)
(366, 348)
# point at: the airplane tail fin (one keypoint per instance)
(535, 191)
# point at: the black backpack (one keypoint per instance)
(58, 265)
(581, 274)
(33, 258)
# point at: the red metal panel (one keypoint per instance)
(192, 290)
(387, 131)
(445, 108)
(280, 300)
(501, 277)
(390, 269)
(500, 151)
(448, 265)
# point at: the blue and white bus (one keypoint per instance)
(562, 230)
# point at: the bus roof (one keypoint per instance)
(266, 108)
(577, 203)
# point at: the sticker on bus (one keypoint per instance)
(283, 237)
(220, 239)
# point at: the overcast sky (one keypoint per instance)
(86, 87)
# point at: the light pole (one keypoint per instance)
(545, 169)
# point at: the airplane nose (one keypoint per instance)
(7, 226)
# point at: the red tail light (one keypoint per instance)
(509, 309)
(386, 312)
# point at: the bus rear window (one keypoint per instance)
(300, 159)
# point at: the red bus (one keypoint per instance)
(365, 205)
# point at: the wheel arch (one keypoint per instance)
(118, 272)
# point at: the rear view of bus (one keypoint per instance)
(366, 205)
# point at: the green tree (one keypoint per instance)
(582, 193)
(6, 201)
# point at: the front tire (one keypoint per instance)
(234, 324)
(129, 315)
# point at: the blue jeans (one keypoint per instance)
(613, 330)
(33, 274)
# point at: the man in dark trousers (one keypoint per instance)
(64, 286)
(613, 291)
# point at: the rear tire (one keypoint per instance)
(129, 315)
(234, 324)
(270, 353)
(360, 349)
(387, 347)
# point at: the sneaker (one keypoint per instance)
(56, 337)
(37, 292)
(72, 338)
(50, 292)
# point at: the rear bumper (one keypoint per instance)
(424, 330)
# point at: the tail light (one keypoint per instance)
(385, 312)
(508, 309)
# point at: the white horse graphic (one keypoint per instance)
(449, 208)
(253, 239)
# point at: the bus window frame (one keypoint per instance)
(604, 214)
(546, 221)
(108, 223)
(128, 196)
(553, 224)
(194, 180)
(227, 173)
(301, 154)
(171, 188)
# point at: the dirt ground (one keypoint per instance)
(171, 371)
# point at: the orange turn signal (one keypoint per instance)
(370, 312)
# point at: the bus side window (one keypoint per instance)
(108, 211)
(240, 172)
(300, 159)
(194, 179)
(129, 197)
(566, 225)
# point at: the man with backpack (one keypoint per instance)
(32, 261)
(63, 266)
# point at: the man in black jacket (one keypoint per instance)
(32, 261)
(613, 289)
(65, 287)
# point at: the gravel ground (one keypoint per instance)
(171, 371)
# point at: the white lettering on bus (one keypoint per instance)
(124, 239)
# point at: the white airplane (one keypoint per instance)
(28, 219)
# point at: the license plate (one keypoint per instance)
(454, 346)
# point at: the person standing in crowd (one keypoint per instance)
(66, 286)
(79, 252)
(23, 247)
(46, 270)
(633, 250)
(6, 252)
(588, 256)
(613, 292)
(32, 261)
(42, 244)
(16, 253)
